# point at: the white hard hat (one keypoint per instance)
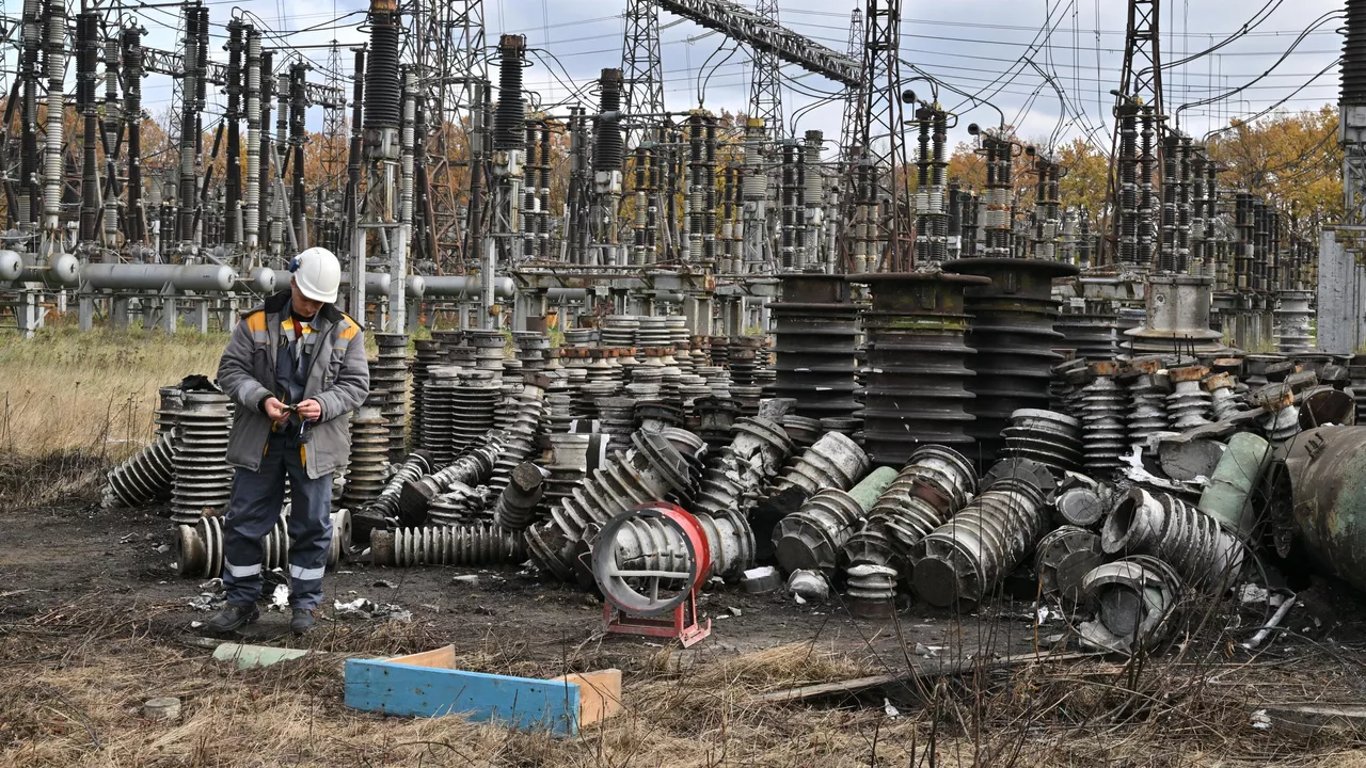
(318, 274)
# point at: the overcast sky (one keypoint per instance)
(982, 47)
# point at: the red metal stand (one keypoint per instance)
(680, 624)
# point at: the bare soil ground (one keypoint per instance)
(93, 621)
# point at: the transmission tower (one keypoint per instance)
(448, 47)
(642, 68)
(766, 95)
(1138, 127)
(884, 197)
(855, 96)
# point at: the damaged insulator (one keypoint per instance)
(1225, 402)
(385, 507)
(935, 483)
(1282, 420)
(738, 471)
(509, 116)
(1103, 406)
(458, 408)
(517, 504)
(199, 547)
(170, 401)
(960, 562)
(369, 453)
(1175, 532)
(466, 545)
(652, 469)
(816, 326)
(471, 469)
(1148, 385)
(918, 389)
(456, 504)
(203, 478)
(519, 419)
(1063, 558)
(1012, 331)
(1081, 507)
(389, 372)
(1135, 598)
(144, 477)
(813, 536)
(1048, 437)
(1189, 405)
(834, 461)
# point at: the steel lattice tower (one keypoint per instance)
(448, 48)
(855, 95)
(642, 67)
(880, 137)
(765, 94)
(1138, 104)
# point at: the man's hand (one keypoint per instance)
(275, 410)
(310, 410)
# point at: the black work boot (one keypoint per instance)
(301, 621)
(232, 617)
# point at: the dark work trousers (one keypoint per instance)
(255, 508)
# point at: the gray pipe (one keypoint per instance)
(151, 277)
(461, 285)
(376, 283)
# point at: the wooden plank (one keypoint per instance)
(599, 694)
(524, 703)
(858, 684)
(1314, 718)
(442, 658)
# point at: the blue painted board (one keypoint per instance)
(525, 703)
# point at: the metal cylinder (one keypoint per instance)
(1013, 335)
(918, 389)
(1321, 489)
(211, 278)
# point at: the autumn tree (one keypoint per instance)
(1291, 157)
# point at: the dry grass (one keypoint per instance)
(66, 391)
(76, 677)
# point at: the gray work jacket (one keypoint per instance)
(338, 378)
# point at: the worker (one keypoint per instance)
(296, 369)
